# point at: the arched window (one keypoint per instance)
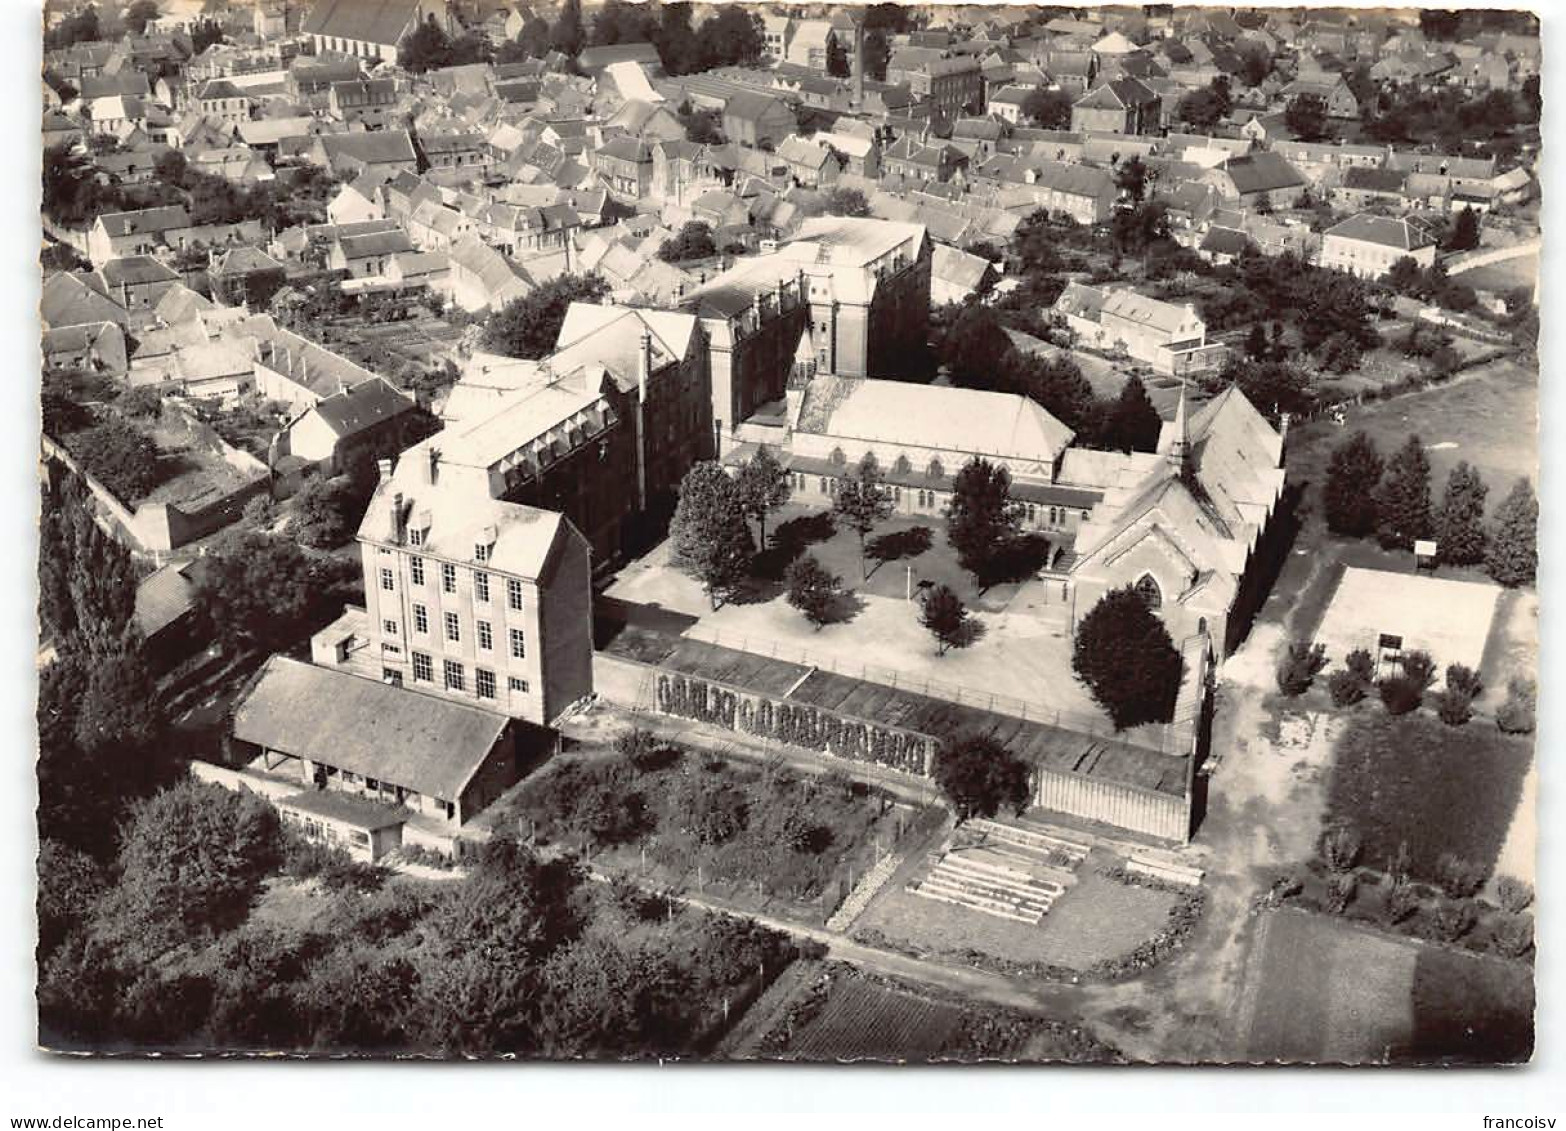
(839, 457)
(1148, 589)
(935, 470)
(902, 466)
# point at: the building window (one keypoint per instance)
(415, 537)
(839, 457)
(518, 685)
(389, 627)
(416, 570)
(387, 581)
(518, 644)
(480, 586)
(421, 619)
(936, 470)
(480, 552)
(423, 668)
(1148, 590)
(453, 627)
(514, 593)
(1032, 513)
(484, 683)
(486, 638)
(455, 680)
(448, 577)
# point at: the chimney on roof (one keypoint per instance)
(859, 64)
(644, 364)
(384, 466)
(432, 467)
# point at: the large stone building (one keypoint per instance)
(865, 285)
(1367, 245)
(602, 430)
(1170, 338)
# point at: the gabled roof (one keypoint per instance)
(1263, 172)
(134, 270)
(155, 220)
(422, 742)
(362, 407)
(369, 21)
(1387, 231)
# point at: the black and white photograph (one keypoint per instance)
(797, 534)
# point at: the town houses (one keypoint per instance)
(673, 444)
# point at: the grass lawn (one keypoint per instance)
(759, 835)
(1096, 919)
(1440, 789)
(1321, 990)
(1487, 416)
(1470, 1009)
(862, 1020)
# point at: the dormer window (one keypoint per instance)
(481, 551)
(415, 536)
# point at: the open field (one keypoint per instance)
(1487, 416)
(845, 1014)
(1504, 276)
(1437, 788)
(1321, 991)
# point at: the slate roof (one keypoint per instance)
(362, 407)
(403, 737)
(370, 21)
(1388, 231)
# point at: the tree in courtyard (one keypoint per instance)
(692, 241)
(568, 35)
(812, 589)
(1405, 277)
(1403, 497)
(1464, 235)
(1513, 557)
(862, 500)
(427, 47)
(1459, 520)
(943, 614)
(1133, 423)
(711, 535)
(259, 591)
(1348, 497)
(979, 776)
(1306, 117)
(1047, 109)
(321, 513)
(982, 520)
(847, 202)
(764, 486)
(528, 327)
(139, 15)
(1124, 655)
(532, 41)
(837, 62)
(1205, 108)
(1131, 179)
(975, 347)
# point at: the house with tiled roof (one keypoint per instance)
(1169, 337)
(1368, 245)
(1121, 106)
(370, 29)
(1248, 180)
(350, 429)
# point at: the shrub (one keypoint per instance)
(1454, 920)
(1514, 895)
(1402, 901)
(1362, 664)
(1340, 847)
(1400, 694)
(1513, 935)
(1516, 714)
(1459, 878)
(1460, 677)
(1346, 688)
(1455, 707)
(1419, 667)
(979, 776)
(1340, 892)
(1299, 666)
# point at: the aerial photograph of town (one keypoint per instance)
(786, 533)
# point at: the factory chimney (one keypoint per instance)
(859, 64)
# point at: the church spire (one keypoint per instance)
(1179, 446)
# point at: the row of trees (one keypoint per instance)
(731, 35)
(1365, 494)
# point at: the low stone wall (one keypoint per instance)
(1146, 811)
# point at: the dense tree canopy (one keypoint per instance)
(528, 327)
(1513, 555)
(1124, 655)
(982, 520)
(1403, 497)
(1459, 521)
(711, 536)
(1348, 496)
(980, 776)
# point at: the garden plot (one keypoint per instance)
(1446, 618)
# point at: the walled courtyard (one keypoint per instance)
(1019, 660)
